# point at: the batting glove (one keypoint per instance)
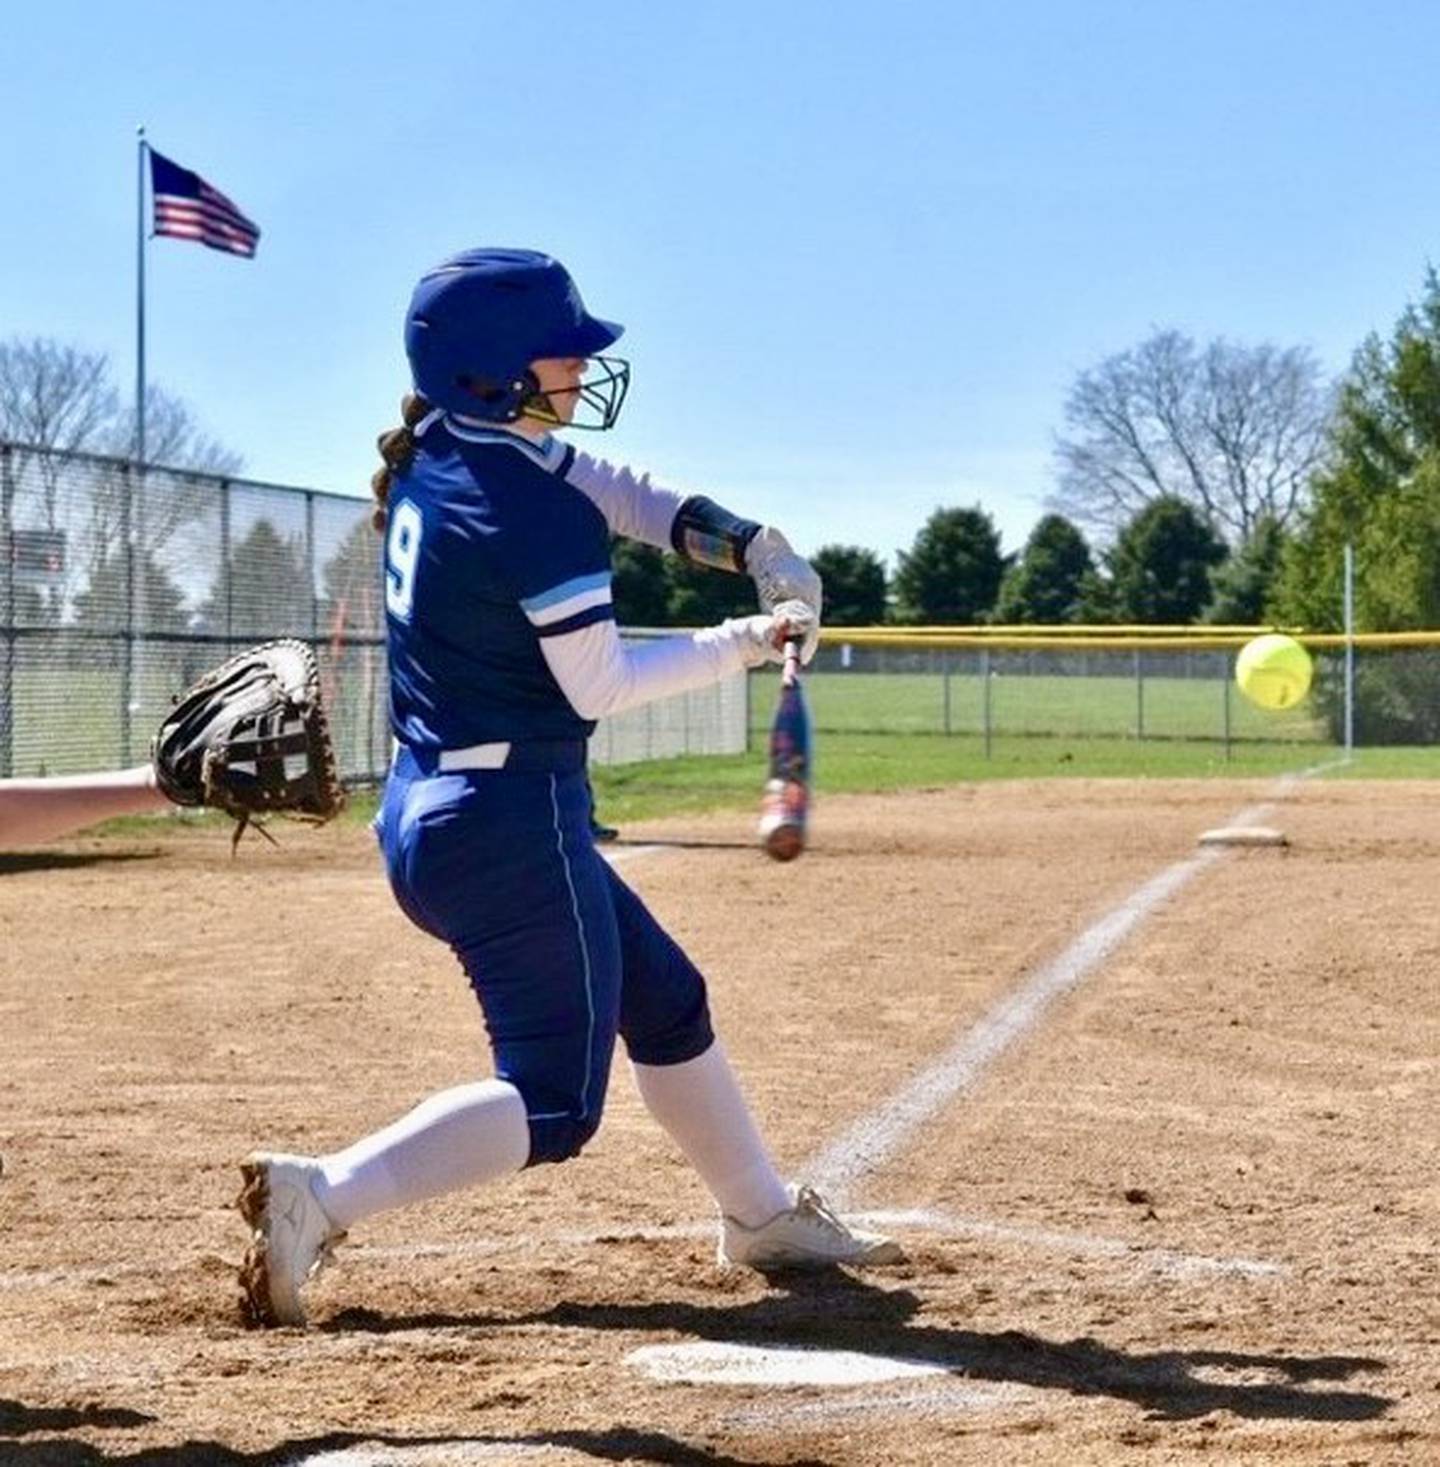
(779, 574)
(762, 639)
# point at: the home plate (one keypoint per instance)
(709, 1363)
(457, 1453)
(1243, 835)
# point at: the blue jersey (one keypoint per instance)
(488, 550)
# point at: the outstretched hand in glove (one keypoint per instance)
(251, 738)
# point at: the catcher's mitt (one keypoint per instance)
(251, 737)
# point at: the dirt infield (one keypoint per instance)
(1185, 1211)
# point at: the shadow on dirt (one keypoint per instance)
(14, 863)
(18, 1419)
(844, 1313)
(679, 843)
(615, 1445)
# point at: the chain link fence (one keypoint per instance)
(119, 586)
(1086, 693)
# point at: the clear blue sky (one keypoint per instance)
(861, 249)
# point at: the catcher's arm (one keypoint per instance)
(33, 811)
(251, 738)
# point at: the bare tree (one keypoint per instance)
(56, 396)
(53, 395)
(61, 398)
(172, 437)
(1235, 431)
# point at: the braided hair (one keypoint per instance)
(397, 448)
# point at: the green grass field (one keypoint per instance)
(868, 763)
(873, 763)
(886, 731)
(1168, 708)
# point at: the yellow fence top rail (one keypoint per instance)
(1206, 639)
(1076, 629)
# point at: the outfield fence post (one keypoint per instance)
(1349, 650)
(1227, 672)
(7, 667)
(985, 696)
(310, 568)
(227, 580)
(945, 677)
(127, 636)
(1139, 696)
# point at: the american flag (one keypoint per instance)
(188, 208)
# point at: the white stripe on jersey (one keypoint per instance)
(568, 599)
(549, 452)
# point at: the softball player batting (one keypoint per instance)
(503, 651)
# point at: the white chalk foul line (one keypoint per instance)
(868, 1143)
(1166, 1261)
(871, 1141)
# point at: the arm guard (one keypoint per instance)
(707, 534)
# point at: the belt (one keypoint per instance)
(477, 756)
(530, 756)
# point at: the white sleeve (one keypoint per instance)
(633, 506)
(600, 674)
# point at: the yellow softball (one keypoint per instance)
(1274, 671)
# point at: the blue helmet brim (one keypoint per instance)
(587, 337)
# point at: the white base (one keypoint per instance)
(1244, 835)
(712, 1363)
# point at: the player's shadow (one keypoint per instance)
(677, 843)
(13, 863)
(618, 1444)
(846, 1313)
(17, 1419)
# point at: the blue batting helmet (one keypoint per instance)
(476, 322)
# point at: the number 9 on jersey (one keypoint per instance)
(402, 556)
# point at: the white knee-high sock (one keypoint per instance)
(459, 1137)
(699, 1103)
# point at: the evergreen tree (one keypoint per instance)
(1045, 585)
(854, 580)
(1244, 584)
(641, 586)
(104, 604)
(1160, 566)
(700, 596)
(263, 589)
(951, 574)
(350, 586)
(1380, 492)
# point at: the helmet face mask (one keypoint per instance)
(478, 321)
(597, 399)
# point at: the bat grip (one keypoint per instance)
(790, 672)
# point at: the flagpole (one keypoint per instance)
(140, 298)
(133, 676)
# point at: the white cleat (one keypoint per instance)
(807, 1235)
(292, 1237)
